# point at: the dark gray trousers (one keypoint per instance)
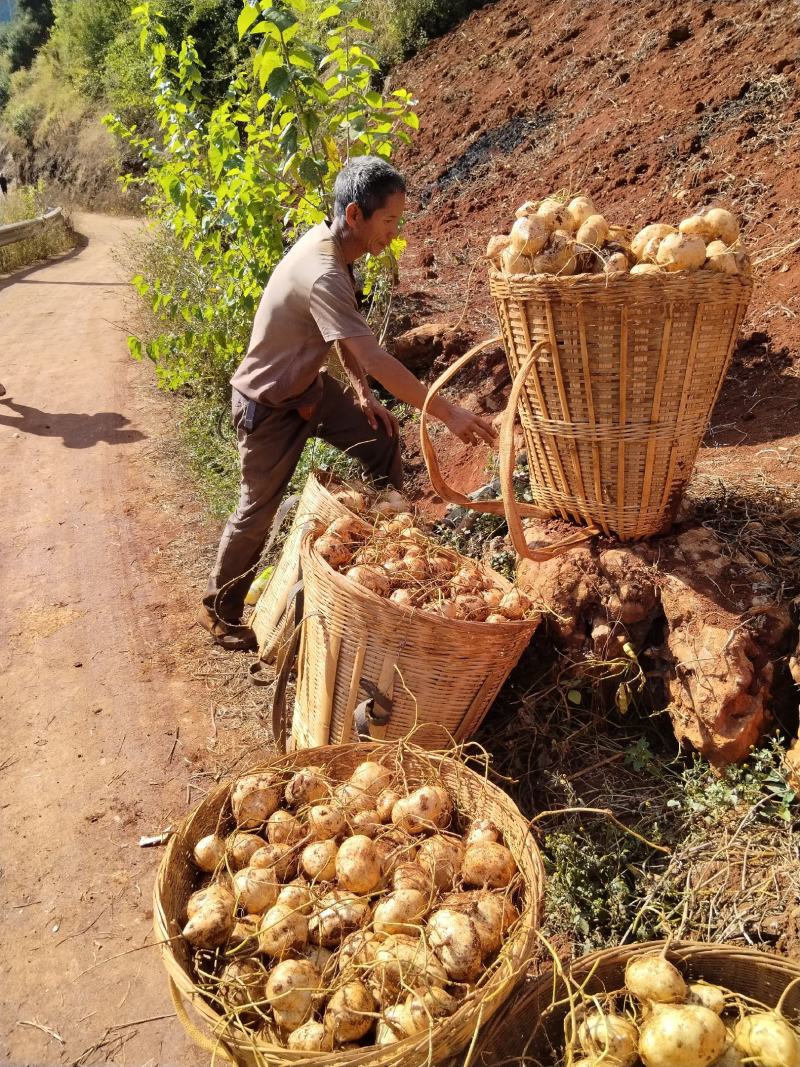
(270, 442)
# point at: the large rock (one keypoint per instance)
(702, 616)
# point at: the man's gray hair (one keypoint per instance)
(367, 181)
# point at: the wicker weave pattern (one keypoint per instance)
(438, 673)
(521, 1034)
(615, 408)
(474, 796)
(316, 504)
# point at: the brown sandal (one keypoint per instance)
(233, 636)
(237, 642)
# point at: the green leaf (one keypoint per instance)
(397, 247)
(268, 29)
(361, 24)
(135, 348)
(574, 697)
(247, 16)
(280, 17)
(300, 57)
(329, 13)
(311, 172)
(289, 144)
(263, 65)
(332, 152)
(278, 82)
(411, 119)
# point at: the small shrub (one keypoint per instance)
(23, 119)
(415, 22)
(81, 37)
(210, 445)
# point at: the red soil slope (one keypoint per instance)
(655, 110)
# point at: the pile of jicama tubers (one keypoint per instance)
(556, 236)
(348, 911)
(395, 559)
(661, 1020)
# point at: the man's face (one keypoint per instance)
(383, 225)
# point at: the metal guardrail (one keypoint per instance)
(20, 231)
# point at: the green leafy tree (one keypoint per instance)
(23, 36)
(81, 36)
(212, 25)
(234, 185)
(415, 22)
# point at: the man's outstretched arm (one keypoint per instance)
(401, 383)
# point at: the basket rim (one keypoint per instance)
(537, 996)
(603, 281)
(501, 983)
(685, 949)
(344, 585)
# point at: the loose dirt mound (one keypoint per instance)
(654, 110)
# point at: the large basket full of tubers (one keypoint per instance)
(391, 616)
(367, 904)
(687, 1004)
(618, 347)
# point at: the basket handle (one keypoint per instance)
(440, 486)
(284, 662)
(217, 1047)
(513, 510)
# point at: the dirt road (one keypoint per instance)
(97, 731)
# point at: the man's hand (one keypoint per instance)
(377, 414)
(467, 427)
(367, 357)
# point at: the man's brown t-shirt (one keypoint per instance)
(309, 303)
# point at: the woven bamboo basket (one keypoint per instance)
(473, 796)
(615, 379)
(530, 1029)
(438, 675)
(269, 622)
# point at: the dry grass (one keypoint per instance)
(756, 518)
(731, 874)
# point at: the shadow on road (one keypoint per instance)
(75, 429)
